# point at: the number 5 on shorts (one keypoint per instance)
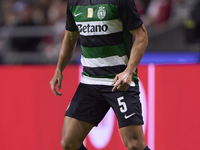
(123, 107)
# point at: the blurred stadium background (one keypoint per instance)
(31, 32)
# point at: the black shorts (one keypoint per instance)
(91, 103)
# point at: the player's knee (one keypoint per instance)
(66, 145)
(131, 145)
(134, 144)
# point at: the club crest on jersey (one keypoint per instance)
(101, 12)
(90, 12)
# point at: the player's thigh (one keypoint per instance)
(133, 133)
(126, 105)
(88, 105)
(75, 131)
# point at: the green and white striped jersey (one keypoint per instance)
(106, 42)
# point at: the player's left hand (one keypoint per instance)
(122, 81)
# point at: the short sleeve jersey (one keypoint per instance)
(106, 42)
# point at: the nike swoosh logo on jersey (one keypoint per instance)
(126, 117)
(75, 15)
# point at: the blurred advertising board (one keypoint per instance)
(31, 117)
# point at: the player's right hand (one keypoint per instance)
(57, 79)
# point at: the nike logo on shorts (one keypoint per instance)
(126, 117)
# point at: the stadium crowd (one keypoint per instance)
(51, 15)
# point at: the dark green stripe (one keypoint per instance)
(102, 52)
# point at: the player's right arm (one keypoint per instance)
(66, 52)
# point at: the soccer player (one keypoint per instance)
(109, 77)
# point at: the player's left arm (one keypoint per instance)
(123, 80)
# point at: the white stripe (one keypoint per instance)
(114, 26)
(103, 62)
(98, 81)
(151, 106)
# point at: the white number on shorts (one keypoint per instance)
(123, 107)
